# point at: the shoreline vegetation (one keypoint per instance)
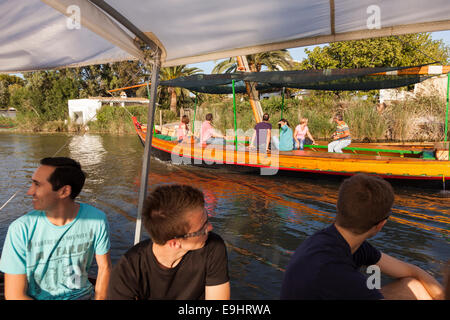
(419, 119)
(41, 97)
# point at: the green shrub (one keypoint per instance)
(7, 122)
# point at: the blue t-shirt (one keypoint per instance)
(323, 268)
(56, 259)
(286, 139)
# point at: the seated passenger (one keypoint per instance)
(326, 265)
(183, 259)
(286, 136)
(341, 137)
(183, 129)
(48, 252)
(208, 134)
(262, 134)
(301, 132)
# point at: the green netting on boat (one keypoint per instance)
(329, 79)
(164, 137)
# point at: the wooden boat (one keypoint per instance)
(413, 162)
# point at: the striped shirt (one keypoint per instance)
(340, 130)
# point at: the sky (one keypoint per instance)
(298, 54)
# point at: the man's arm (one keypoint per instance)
(104, 272)
(311, 137)
(219, 292)
(268, 136)
(399, 269)
(16, 287)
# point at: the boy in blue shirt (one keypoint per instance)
(47, 253)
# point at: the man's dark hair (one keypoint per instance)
(67, 172)
(185, 119)
(209, 117)
(265, 117)
(164, 211)
(363, 202)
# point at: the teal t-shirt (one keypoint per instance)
(56, 259)
(286, 139)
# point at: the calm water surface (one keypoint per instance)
(262, 219)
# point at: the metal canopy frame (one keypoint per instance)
(151, 106)
(127, 44)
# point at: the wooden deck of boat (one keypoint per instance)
(303, 153)
(389, 160)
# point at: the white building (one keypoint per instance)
(433, 86)
(81, 111)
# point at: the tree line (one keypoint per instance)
(44, 94)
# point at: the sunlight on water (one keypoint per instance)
(261, 218)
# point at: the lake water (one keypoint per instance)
(261, 218)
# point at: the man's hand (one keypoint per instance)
(399, 269)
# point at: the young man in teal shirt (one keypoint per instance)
(48, 252)
(286, 136)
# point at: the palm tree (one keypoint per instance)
(273, 60)
(170, 73)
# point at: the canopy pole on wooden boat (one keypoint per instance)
(282, 102)
(195, 111)
(148, 145)
(446, 112)
(235, 122)
(251, 90)
(148, 96)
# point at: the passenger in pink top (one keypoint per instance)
(301, 131)
(209, 134)
(183, 129)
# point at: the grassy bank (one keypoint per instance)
(6, 122)
(420, 119)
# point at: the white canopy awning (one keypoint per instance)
(41, 34)
(52, 34)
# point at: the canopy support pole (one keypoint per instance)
(148, 96)
(251, 91)
(446, 112)
(235, 121)
(148, 144)
(282, 102)
(195, 112)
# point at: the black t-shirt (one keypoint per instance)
(138, 276)
(323, 268)
(261, 133)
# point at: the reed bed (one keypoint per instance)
(418, 119)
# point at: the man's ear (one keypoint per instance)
(174, 243)
(380, 225)
(65, 191)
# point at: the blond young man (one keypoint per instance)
(182, 260)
